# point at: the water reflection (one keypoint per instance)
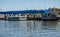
(29, 28)
(32, 25)
(12, 24)
(49, 25)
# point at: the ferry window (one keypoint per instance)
(53, 15)
(45, 15)
(10, 14)
(14, 14)
(17, 14)
(22, 15)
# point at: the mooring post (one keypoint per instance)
(5, 16)
(27, 16)
(34, 16)
(5, 20)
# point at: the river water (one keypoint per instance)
(29, 28)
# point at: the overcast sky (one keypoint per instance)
(7, 5)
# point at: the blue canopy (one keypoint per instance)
(25, 12)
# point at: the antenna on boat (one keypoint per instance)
(54, 10)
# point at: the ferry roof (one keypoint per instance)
(25, 12)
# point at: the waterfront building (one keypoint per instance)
(55, 11)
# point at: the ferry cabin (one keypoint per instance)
(17, 17)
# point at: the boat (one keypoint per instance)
(49, 17)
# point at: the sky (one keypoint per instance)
(8, 5)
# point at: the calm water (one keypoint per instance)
(29, 28)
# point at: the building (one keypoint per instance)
(55, 11)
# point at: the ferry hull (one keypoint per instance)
(16, 19)
(13, 19)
